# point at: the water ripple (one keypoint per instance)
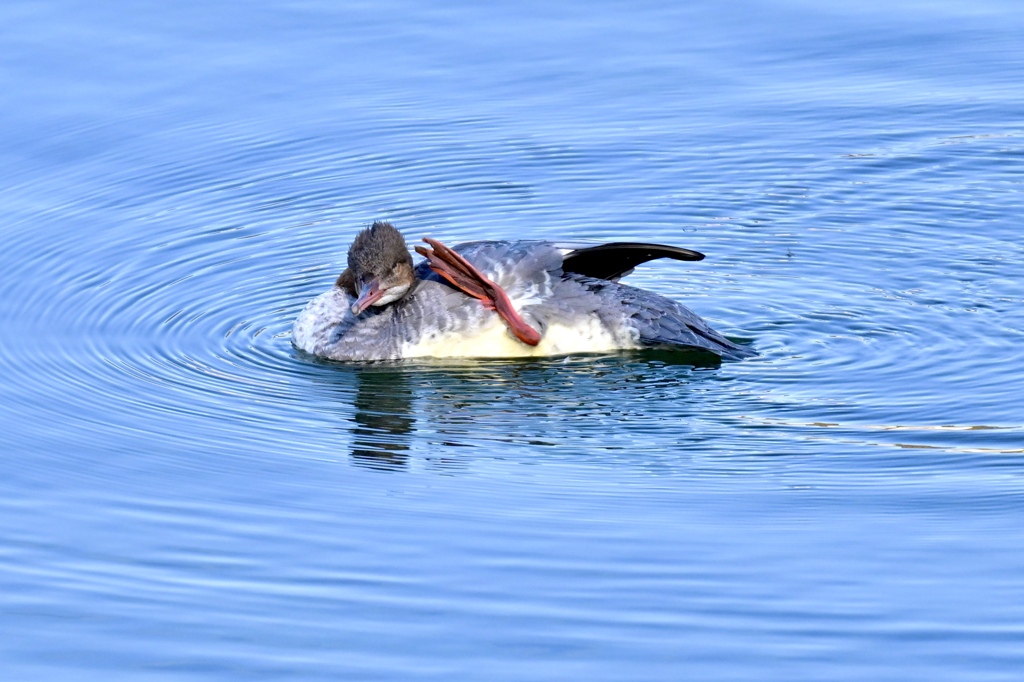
(184, 330)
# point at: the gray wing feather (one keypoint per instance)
(658, 321)
(533, 270)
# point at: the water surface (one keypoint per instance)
(185, 496)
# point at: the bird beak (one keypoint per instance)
(368, 295)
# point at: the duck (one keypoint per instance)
(497, 299)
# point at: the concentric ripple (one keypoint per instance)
(169, 311)
(183, 495)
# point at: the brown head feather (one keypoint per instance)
(378, 253)
(347, 282)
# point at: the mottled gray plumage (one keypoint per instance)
(530, 272)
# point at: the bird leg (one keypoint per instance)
(467, 279)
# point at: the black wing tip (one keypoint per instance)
(613, 260)
(666, 251)
(656, 250)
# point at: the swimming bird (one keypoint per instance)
(497, 299)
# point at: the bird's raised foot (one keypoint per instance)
(463, 276)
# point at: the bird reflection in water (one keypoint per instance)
(470, 403)
(383, 419)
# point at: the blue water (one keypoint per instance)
(183, 496)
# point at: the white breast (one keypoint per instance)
(311, 331)
(495, 341)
